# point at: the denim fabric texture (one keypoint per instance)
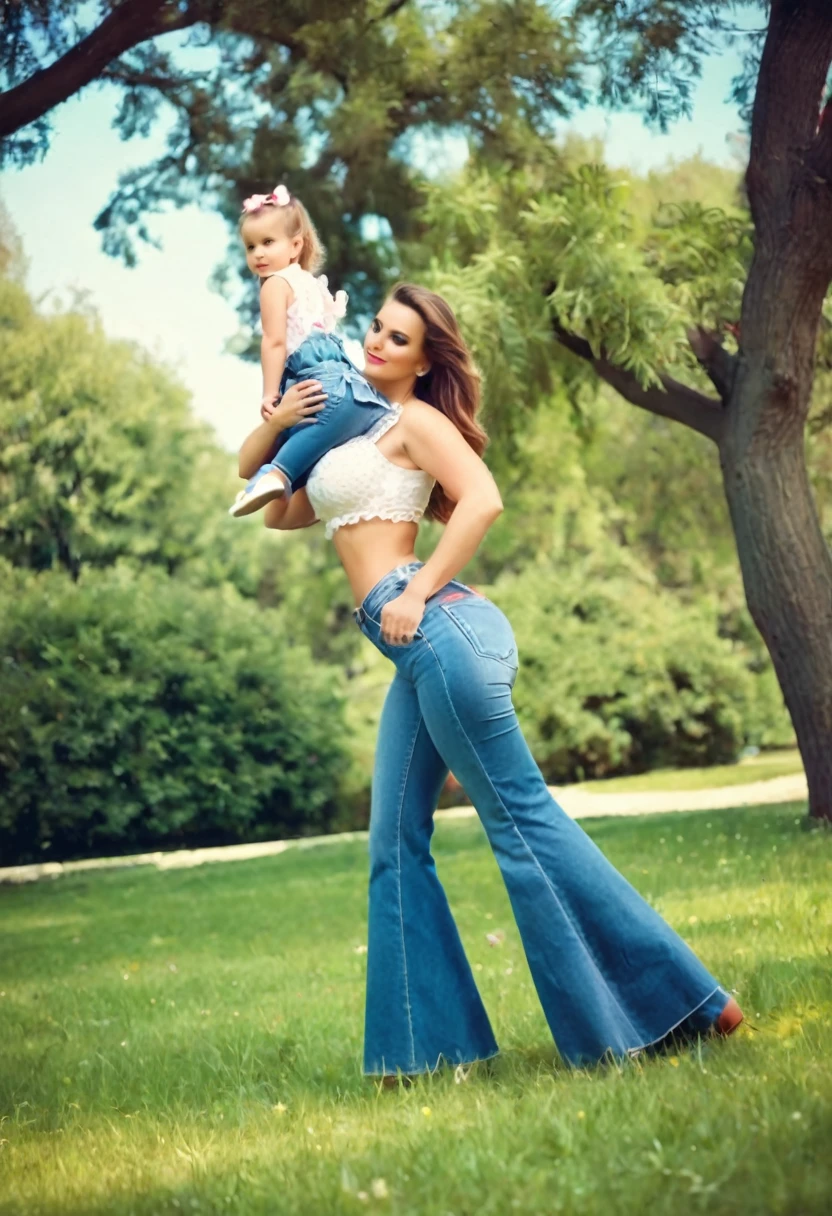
(612, 976)
(351, 408)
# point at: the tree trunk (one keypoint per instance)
(786, 563)
(759, 420)
(786, 567)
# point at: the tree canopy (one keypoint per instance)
(345, 102)
(102, 460)
(329, 96)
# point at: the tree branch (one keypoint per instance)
(133, 78)
(718, 363)
(392, 8)
(131, 23)
(673, 400)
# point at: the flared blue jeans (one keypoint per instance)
(612, 976)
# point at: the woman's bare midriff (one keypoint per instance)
(371, 549)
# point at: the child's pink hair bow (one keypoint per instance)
(279, 197)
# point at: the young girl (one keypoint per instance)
(298, 314)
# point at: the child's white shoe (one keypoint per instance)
(267, 487)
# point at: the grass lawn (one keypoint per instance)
(190, 1041)
(782, 763)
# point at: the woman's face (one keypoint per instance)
(394, 345)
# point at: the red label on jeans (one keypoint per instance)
(455, 595)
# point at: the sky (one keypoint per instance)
(166, 303)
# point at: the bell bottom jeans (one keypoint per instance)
(611, 974)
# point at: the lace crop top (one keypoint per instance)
(314, 306)
(356, 481)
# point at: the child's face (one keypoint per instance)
(267, 246)
(394, 345)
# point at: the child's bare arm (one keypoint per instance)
(275, 297)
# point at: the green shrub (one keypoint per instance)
(102, 460)
(617, 676)
(140, 712)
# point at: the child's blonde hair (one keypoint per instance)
(295, 221)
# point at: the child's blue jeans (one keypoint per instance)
(611, 974)
(351, 408)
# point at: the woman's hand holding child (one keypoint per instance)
(298, 404)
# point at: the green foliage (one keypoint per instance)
(628, 269)
(616, 676)
(332, 97)
(141, 712)
(602, 288)
(102, 460)
(691, 180)
(341, 100)
(667, 487)
(628, 263)
(473, 253)
(302, 577)
(552, 513)
(702, 254)
(651, 53)
(12, 262)
(819, 453)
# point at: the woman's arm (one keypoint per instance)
(298, 404)
(288, 514)
(434, 444)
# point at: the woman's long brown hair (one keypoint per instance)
(452, 385)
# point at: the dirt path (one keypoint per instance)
(585, 804)
(578, 803)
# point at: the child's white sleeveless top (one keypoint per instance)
(313, 308)
(356, 481)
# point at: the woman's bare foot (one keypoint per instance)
(729, 1019)
(394, 1080)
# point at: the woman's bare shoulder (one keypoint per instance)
(419, 418)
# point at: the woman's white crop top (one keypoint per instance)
(314, 306)
(356, 481)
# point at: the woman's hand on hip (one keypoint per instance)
(400, 618)
(298, 404)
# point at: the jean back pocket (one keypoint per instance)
(484, 625)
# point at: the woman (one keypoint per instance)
(612, 976)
